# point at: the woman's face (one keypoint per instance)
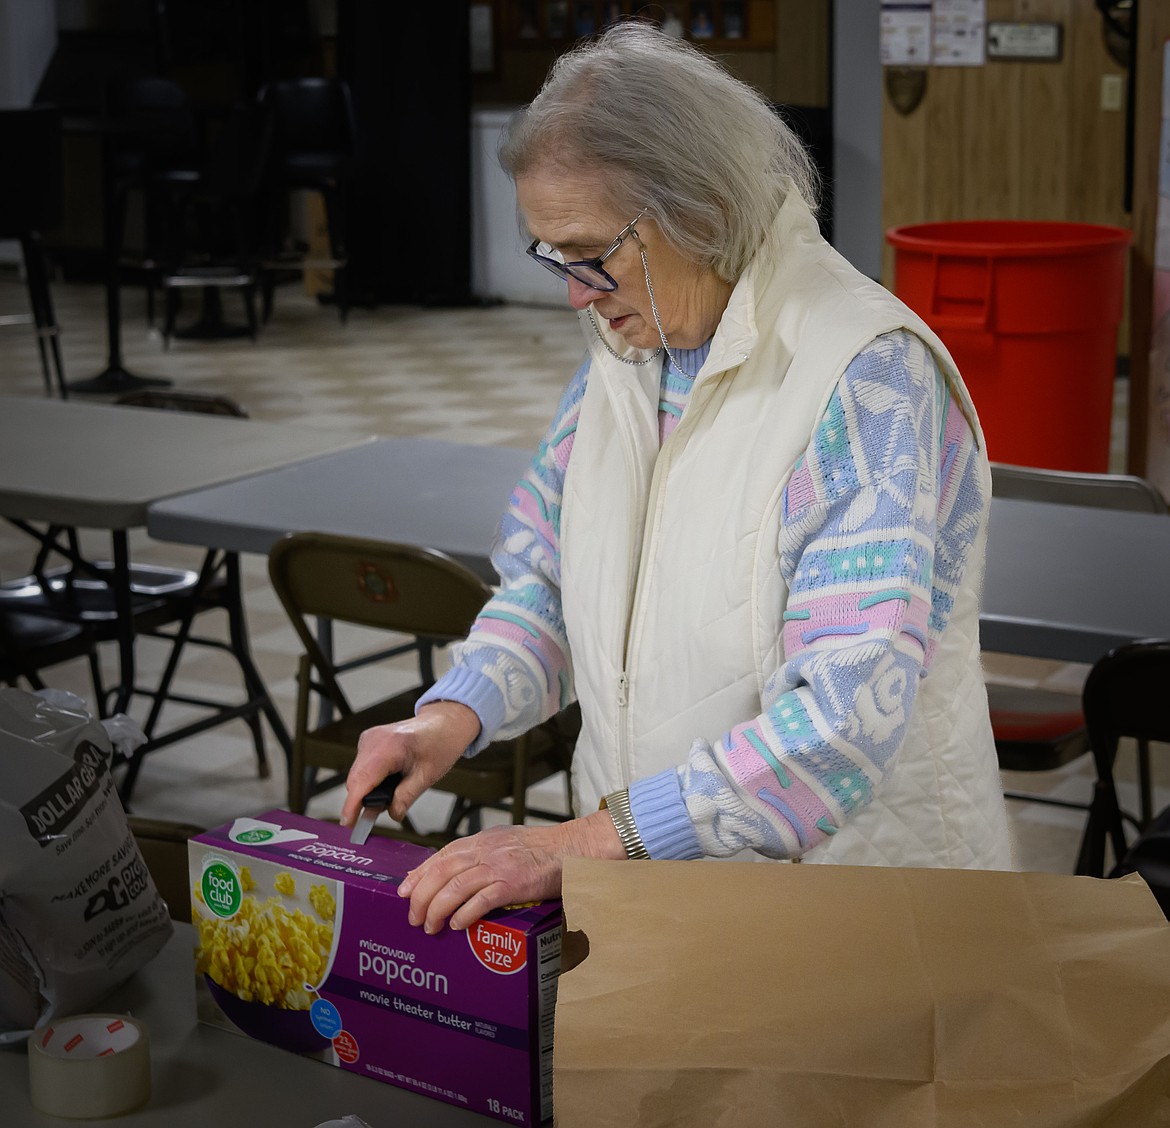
(573, 215)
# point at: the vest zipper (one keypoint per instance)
(633, 570)
(644, 551)
(623, 701)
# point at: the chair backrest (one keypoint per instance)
(155, 124)
(1127, 693)
(371, 583)
(202, 403)
(30, 642)
(310, 115)
(32, 180)
(1066, 487)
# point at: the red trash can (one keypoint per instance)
(1029, 310)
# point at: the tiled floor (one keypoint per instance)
(489, 376)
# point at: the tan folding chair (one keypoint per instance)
(433, 600)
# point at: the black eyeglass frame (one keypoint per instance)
(567, 270)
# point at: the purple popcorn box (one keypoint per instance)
(303, 942)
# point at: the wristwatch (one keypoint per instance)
(618, 806)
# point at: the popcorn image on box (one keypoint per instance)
(303, 942)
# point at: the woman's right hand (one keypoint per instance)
(423, 749)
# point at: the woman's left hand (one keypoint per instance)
(503, 865)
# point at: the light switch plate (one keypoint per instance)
(1112, 91)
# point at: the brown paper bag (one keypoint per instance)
(780, 995)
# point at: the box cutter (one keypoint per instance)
(374, 803)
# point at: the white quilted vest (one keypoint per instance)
(670, 562)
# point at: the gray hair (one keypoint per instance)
(669, 130)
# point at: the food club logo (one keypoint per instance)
(222, 892)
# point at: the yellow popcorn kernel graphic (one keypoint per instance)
(322, 900)
(265, 953)
(247, 881)
(284, 884)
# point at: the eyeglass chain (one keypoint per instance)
(653, 309)
(653, 305)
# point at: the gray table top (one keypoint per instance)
(1071, 583)
(100, 465)
(447, 496)
(1063, 582)
(202, 1076)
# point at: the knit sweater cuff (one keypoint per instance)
(660, 814)
(479, 693)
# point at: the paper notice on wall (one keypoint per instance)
(958, 33)
(905, 34)
(1158, 427)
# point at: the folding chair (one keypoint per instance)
(1039, 730)
(30, 644)
(166, 601)
(432, 600)
(1125, 695)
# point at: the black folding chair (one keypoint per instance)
(1039, 730)
(1127, 693)
(165, 602)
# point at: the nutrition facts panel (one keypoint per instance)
(548, 971)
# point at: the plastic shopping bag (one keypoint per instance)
(79, 911)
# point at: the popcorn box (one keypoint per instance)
(303, 942)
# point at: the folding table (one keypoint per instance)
(442, 495)
(76, 464)
(1062, 582)
(203, 1076)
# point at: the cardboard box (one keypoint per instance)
(303, 942)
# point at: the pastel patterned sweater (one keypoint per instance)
(878, 514)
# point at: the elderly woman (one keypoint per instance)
(751, 544)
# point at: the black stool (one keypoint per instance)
(314, 148)
(215, 225)
(151, 145)
(31, 191)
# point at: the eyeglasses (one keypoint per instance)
(587, 271)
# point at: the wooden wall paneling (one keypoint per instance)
(1046, 91)
(978, 180)
(948, 128)
(756, 68)
(802, 52)
(1145, 385)
(1097, 141)
(904, 171)
(990, 187)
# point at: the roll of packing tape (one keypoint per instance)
(89, 1065)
